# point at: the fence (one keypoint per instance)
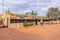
(19, 22)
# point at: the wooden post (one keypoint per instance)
(9, 23)
(9, 26)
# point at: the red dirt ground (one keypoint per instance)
(46, 32)
(10, 34)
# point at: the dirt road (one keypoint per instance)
(48, 32)
(10, 34)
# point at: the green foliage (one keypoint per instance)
(28, 24)
(53, 13)
(34, 13)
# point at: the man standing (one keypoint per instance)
(41, 22)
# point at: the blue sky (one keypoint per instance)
(23, 6)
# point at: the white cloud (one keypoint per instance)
(23, 6)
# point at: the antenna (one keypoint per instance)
(3, 5)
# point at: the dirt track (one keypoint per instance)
(46, 32)
(10, 34)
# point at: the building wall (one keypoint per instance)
(16, 25)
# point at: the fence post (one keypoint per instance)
(9, 23)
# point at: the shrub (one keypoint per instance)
(28, 24)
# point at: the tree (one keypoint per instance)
(34, 13)
(7, 11)
(53, 13)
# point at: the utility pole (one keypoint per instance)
(4, 15)
(3, 5)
